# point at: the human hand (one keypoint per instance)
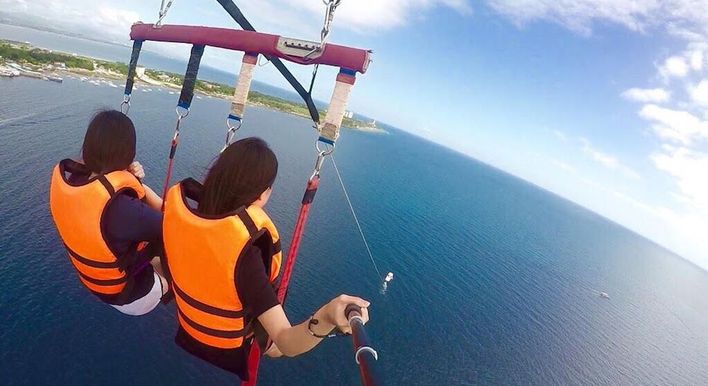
(137, 170)
(334, 311)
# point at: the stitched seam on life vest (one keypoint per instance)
(210, 331)
(205, 307)
(103, 282)
(89, 262)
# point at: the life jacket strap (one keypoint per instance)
(226, 334)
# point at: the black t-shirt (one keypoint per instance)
(257, 296)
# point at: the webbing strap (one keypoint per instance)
(307, 199)
(254, 355)
(137, 46)
(239, 18)
(243, 85)
(329, 130)
(190, 77)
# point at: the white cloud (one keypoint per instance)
(674, 66)
(676, 126)
(684, 18)
(607, 160)
(699, 93)
(304, 16)
(578, 15)
(690, 169)
(656, 95)
(365, 15)
(696, 59)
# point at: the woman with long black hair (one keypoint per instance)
(110, 223)
(224, 257)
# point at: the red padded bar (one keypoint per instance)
(247, 41)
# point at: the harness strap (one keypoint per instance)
(243, 86)
(185, 101)
(254, 356)
(329, 130)
(190, 77)
(239, 18)
(137, 46)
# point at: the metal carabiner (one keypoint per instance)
(125, 104)
(321, 156)
(231, 132)
(181, 115)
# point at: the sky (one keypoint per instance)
(604, 102)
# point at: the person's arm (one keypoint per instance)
(152, 199)
(295, 340)
(258, 297)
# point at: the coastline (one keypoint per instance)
(23, 59)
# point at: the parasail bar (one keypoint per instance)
(293, 50)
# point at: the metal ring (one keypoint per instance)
(125, 104)
(367, 349)
(180, 115)
(324, 152)
(232, 127)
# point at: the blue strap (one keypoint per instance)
(326, 140)
(347, 71)
(137, 46)
(190, 77)
(234, 117)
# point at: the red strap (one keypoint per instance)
(254, 356)
(168, 176)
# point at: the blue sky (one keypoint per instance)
(603, 102)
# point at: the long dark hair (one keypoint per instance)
(238, 177)
(109, 144)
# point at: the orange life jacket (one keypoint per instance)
(202, 253)
(77, 210)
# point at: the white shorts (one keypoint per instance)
(145, 304)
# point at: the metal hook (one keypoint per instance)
(125, 104)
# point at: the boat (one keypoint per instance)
(604, 295)
(55, 79)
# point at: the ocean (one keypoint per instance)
(496, 280)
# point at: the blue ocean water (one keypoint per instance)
(496, 280)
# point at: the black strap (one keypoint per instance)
(91, 263)
(137, 46)
(238, 16)
(227, 334)
(309, 196)
(108, 282)
(104, 181)
(190, 77)
(248, 222)
(205, 307)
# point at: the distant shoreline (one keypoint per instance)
(23, 59)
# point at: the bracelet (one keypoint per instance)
(314, 321)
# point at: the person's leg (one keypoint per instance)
(145, 304)
(157, 266)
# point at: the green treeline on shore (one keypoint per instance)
(23, 53)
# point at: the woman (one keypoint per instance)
(109, 222)
(224, 258)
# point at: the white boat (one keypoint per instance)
(604, 295)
